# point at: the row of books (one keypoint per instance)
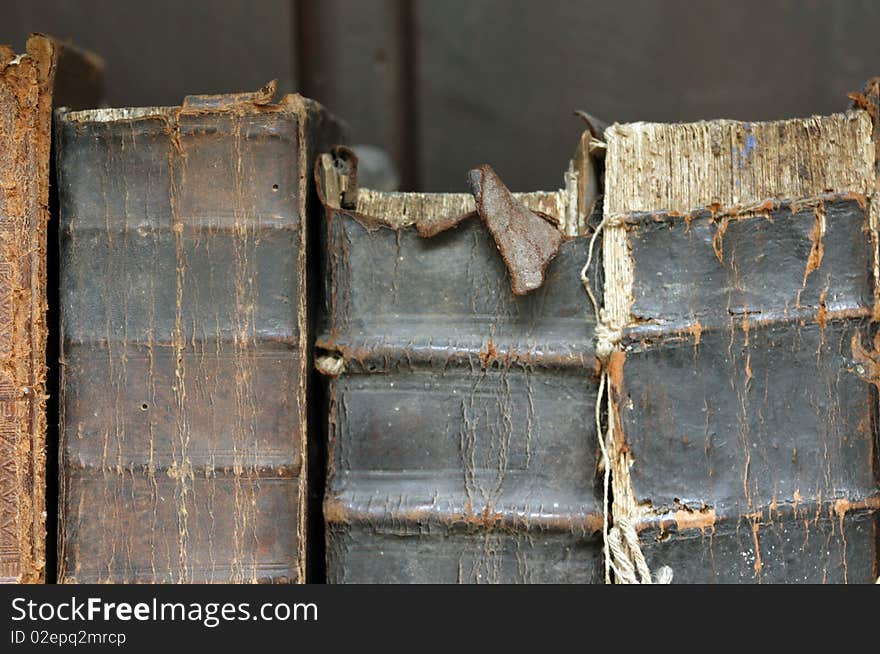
(265, 372)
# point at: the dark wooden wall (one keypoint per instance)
(446, 85)
(158, 51)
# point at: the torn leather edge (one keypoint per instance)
(618, 268)
(401, 210)
(868, 100)
(262, 101)
(526, 250)
(333, 179)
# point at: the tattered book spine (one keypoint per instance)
(461, 448)
(27, 90)
(185, 332)
(740, 269)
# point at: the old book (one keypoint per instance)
(741, 275)
(48, 73)
(185, 331)
(462, 446)
(731, 377)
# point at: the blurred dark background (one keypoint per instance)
(446, 85)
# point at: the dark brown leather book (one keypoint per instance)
(741, 277)
(185, 331)
(48, 73)
(462, 447)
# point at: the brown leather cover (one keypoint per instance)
(461, 447)
(185, 330)
(29, 84)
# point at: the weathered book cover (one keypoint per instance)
(47, 73)
(731, 376)
(741, 279)
(185, 339)
(462, 447)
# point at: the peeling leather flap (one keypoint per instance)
(527, 240)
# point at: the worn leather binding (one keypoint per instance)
(739, 290)
(461, 440)
(742, 258)
(185, 339)
(47, 73)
